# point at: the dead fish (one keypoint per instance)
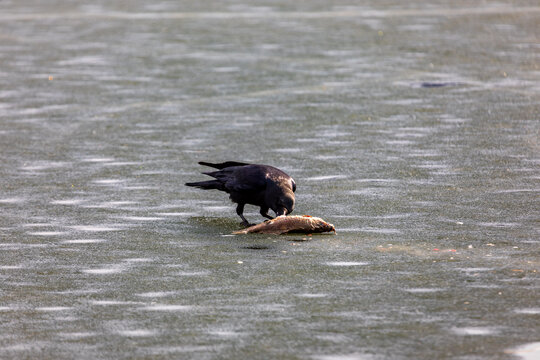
(293, 223)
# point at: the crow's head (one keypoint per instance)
(283, 197)
(279, 194)
(284, 203)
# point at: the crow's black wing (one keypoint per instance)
(249, 178)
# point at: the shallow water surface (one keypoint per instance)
(413, 129)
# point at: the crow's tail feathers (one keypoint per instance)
(215, 184)
(207, 185)
(224, 165)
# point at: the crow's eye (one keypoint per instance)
(293, 186)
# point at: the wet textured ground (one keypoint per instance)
(413, 127)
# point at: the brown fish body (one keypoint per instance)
(292, 223)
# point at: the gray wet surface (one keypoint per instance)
(412, 127)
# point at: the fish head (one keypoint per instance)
(330, 227)
(323, 226)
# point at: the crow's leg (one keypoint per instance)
(240, 212)
(264, 212)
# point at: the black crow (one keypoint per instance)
(254, 184)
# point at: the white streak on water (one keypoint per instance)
(37, 225)
(67, 202)
(379, 180)
(159, 351)
(423, 290)
(141, 218)
(77, 335)
(141, 187)
(224, 333)
(137, 333)
(138, 260)
(403, 101)
(83, 60)
(400, 142)
(380, 231)
(288, 150)
(83, 241)
(389, 216)
(122, 163)
(46, 233)
(527, 352)
(325, 177)
(511, 191)
(350, 229)
(498, 224)
(166, 307)
(312, 295)
(354, 356)
(17, 246)
(176, 213)
(10, 267)
(226, 69)
(216, 208)
(328, 157)
(111, 204)
(97, 228)
(474, 270)
(273, 15)
(53, 308)
(528, 311)
(13, 200)
(194, 273)
(272, 307)
(465, 331)
(112, 302)
(373, 192)
(103, 271)
(156, 294)
(109, 181)
(97, 160)
(432, 165)
(346, 263)
(44, 165)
